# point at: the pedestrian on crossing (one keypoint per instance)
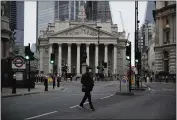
(87, 86)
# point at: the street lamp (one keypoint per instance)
(98, 27)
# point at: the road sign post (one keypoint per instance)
(29, 73)
(18, 65)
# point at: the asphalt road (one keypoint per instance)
(157, 103)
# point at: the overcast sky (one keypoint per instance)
(127, 9)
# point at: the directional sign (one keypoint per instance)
(124, 81)
(18, 63)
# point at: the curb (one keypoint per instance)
(125, 93)
(19, 94)
(142, 89)
(30, 93)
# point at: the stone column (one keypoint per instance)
(50, 65)
(41, 58)
(59, 57)
(96, 57)
(106, 57)
(69, 58)
(115, 59)
(78, 59)
(88, 58)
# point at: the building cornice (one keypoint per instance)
(165, 8)
(155, 12)
(168, 45)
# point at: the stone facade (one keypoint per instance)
(5, 31)
(165, 42)
(67, 40)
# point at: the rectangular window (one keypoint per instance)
(167, 36)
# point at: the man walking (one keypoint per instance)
(87, 86)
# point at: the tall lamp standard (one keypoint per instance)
(98, 28)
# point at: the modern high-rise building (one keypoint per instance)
(48, 12)
(146, 40)
(149, 15)
(17, 21)
(98, 10)
(145, 29)
(45, 14)
(67, 10)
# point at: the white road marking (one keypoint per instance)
(64, 90)
(41, 115)
(78, 105)
(92, 94)
(107, 96)
(168, 89)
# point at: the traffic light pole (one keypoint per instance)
(130, 83)
(29, 73)
(136, 45)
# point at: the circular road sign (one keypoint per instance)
(124, 81)
(18, 61)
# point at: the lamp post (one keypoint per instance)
(98, 27)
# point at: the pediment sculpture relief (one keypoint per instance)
(80, 31)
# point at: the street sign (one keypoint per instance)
(124, 81)
(18, 62)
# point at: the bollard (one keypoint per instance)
(46, 83)
(58, 82)
(166, 78)
(53, 82)
(14, 84)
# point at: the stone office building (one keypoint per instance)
(165, 41)
(67, 40)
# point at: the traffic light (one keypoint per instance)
(29, 55)
(105, 65)
(128, 52)
(27, 52)
(138, 59)
(52, 58)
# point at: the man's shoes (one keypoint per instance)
(92, 109)
(81, 106)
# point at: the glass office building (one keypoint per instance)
(17, 20)
(98, 10)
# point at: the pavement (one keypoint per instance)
(158, 102)
(7, 92)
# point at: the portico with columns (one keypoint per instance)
(69, 44)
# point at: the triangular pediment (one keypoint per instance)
(81, 31)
